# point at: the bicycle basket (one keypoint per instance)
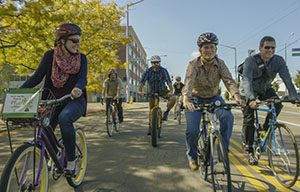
(20, 104)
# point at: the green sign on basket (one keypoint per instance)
(20, 103)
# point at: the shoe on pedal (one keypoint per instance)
(70, 173)
(149, 131)
(193, 165)
(165, 116)
(252, 160)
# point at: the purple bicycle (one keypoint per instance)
(31, 164)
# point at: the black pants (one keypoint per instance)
(248, 121)
(119, 106)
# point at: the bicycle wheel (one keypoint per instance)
(109, 122)
(154, 127)
(117, 124)
(178, 114)
(203, 154)
(283, 155)
(220, 167)
(19, 171)
(81, 159)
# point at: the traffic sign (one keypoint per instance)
(295, 51)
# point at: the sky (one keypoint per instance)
(171, 27)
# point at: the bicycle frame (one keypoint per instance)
(156, 106)
(272, 122)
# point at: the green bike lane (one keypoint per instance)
(127, 162)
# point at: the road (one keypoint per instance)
(127, 162)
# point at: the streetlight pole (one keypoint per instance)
(127, 49)
(235, 58)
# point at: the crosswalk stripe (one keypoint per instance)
(270, 178)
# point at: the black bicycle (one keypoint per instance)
(211, 149)
(112, 118)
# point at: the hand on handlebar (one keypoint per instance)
(187, 104)
(75, 93)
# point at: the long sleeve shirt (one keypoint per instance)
(78, 80)
(256, 81)
(157, 79)
(204, 82)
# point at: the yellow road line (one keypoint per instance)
(270, 178)
(266, 164)
(259, 186)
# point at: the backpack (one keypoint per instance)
(260, 64)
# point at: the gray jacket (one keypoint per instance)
(255, 80)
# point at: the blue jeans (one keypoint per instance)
(65, 115)
(193, 121)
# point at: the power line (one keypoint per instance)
(267, 26)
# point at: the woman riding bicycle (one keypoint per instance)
(202, 81)
(65, 72)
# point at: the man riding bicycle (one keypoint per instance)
(202, 81)
(112, 91)
(157, 77)
(258, 74)
(178, 85)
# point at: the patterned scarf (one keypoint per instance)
(63, 66)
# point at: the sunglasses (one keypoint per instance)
(269, 47)
(154, 62)
(75, 41)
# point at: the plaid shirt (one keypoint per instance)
(156, 79)
(204, 82)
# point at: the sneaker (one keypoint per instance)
(149, 131)
(193, 165)
(70, 173)
(165, 116)
(252, 160)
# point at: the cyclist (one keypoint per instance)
(157, 77)
(178, 85)
(65, 72)
(112, 91)
(202, 81)
(258, 73)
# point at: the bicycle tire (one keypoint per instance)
(178, 117)
(117, 124)
(203, 155)
(81, 156)
(109, 122)
(286, 174)
(12, 169)
(154, 127)
(220, 166)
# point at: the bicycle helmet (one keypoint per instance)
(178, 78)
(206, 38)
(155, 58)
(67, 29)
(112, 71)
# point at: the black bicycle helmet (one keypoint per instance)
(67, 29)
(206, 38)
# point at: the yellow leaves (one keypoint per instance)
(33, 23)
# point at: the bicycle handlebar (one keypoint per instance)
(55, 101)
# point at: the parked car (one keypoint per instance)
(287, 97)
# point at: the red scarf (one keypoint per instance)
(63, 66)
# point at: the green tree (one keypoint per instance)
(275, 86)
(297, 79)
(27, 31)
(226, 95)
